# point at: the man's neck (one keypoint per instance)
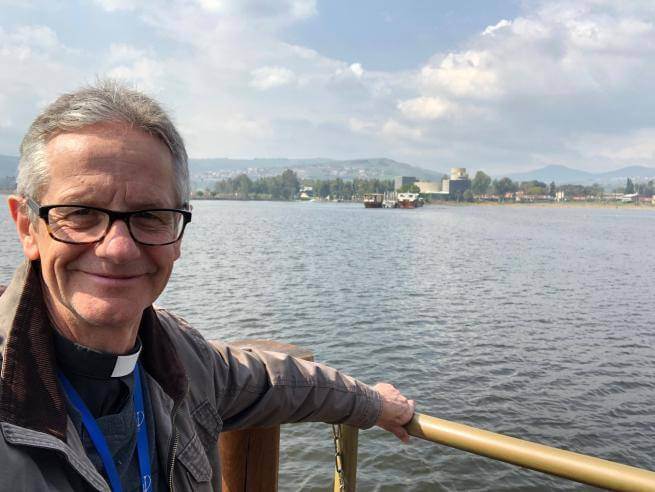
(109, 339)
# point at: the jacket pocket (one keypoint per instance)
(208, 424)
(195, 461)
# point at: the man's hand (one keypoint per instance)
(396, 411)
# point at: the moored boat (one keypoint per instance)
(409, 200)
(373, 200)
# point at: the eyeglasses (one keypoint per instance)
(79, 224)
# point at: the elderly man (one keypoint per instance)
(99, 390)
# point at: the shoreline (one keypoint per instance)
(630, 206)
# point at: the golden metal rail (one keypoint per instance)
(566, 464)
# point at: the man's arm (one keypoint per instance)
(267, 388)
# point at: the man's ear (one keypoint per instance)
(26, 231)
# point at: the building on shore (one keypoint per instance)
(401, 181)
(459, 182)
(450, 187)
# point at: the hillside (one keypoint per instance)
(205, 171)
(8, 165)
(567, 175)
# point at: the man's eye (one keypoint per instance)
(74, 214)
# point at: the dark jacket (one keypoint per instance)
(196, 391)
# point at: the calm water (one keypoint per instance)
(533, 322)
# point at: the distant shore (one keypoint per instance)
(567, 204)
(511, 203)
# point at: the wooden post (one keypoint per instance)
(250, 457)
(348, 460)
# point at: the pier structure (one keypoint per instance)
(250, 458)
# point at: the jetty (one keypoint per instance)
(250, 458)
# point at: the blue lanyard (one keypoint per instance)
(99, 440)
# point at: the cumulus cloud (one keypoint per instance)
(425, 108)
(471, 74)
(559, 83)
(112, 5)
(357, 70)
(637, 146)
(489, 30)
(266, 78)
(394, 129)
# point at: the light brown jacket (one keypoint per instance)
(195, 391)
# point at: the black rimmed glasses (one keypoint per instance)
(79, 224)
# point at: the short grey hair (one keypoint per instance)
(107, 101)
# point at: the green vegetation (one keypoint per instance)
(480, 184)
(287, 187)
(338, 189)
(629, 187)
(241, 187)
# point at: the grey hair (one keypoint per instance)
(107, 101)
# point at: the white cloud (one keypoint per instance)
(490, 30)
(119, 52)
(361, 126)
(635, 147)
(266, 78)
(471, 74)
(425, 108)
(144, 72)
(561, 83)
(113, 5)
(394, 129)
(357, 69)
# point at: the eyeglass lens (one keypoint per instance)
(85, 225)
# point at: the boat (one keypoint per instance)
(390, 200)
(373, 200)
(409, 200)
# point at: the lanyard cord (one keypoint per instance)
(99, 440)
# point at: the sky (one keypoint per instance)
(502, 86)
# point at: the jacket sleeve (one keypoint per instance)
(257, 388)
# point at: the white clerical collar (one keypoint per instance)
(85, 361)
(125, 364)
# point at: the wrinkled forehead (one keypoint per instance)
(106, 162)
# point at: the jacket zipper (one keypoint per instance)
(175, 438)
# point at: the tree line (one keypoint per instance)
(482, 184)
(241, 187)
(287, 187)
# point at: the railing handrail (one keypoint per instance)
(567, 464)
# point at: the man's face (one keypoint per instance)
(109, 283)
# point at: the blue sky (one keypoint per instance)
(500, 86)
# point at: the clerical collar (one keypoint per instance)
(85, 361)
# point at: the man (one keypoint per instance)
(99, 390)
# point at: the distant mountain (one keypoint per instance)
(8, 165)
(566, 175)
(378, 168)
(197, 166)
(630, 172)
(204, 171)
(207, 170)
(559, 174)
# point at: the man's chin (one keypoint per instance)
(108, 312)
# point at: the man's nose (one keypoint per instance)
(118, 243)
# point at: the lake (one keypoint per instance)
(534, 322)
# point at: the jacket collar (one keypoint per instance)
(30, 395)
